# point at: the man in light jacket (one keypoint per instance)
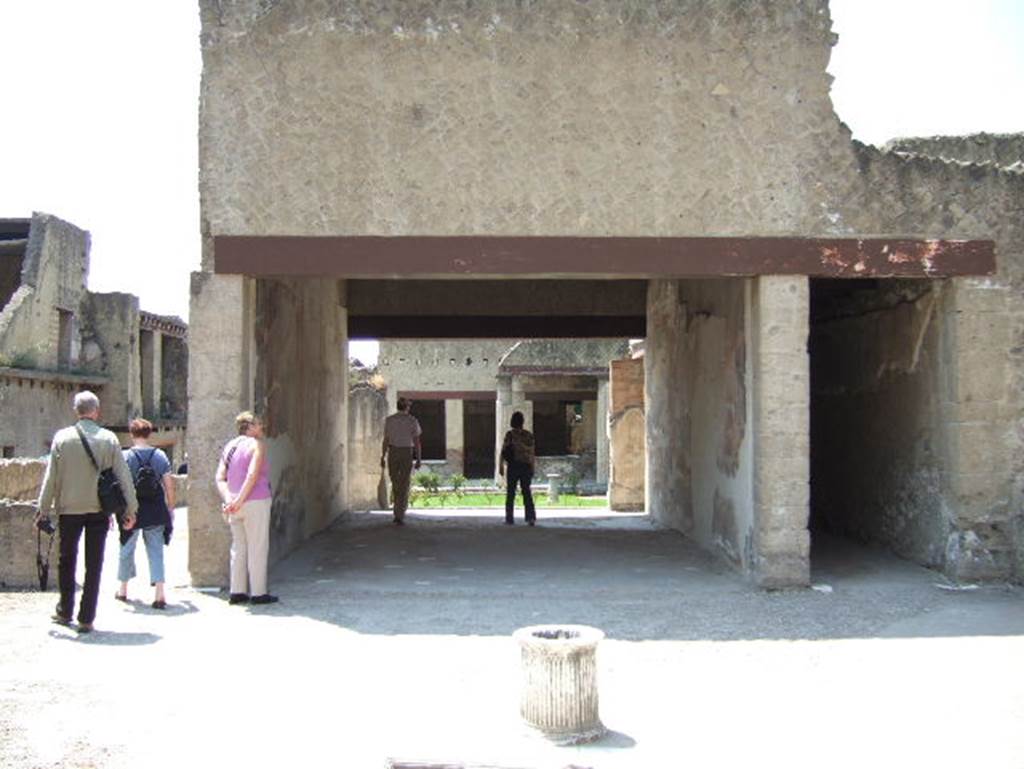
(69, 489)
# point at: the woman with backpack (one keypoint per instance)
(517, 453)
(154, 489)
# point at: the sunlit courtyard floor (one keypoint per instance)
(396, 642)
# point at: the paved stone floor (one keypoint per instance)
(395, 643)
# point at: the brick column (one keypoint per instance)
(626, 435)
(781, 430)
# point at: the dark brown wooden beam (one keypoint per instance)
(451, 395)
(611, 257)
(490, 327)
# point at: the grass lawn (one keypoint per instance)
(497, 499)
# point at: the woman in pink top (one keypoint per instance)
(245, 488)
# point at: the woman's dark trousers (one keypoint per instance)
(522, 474)
(95, 526)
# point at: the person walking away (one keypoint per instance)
(154, 488)
(244, 486)
(517, 452)
(69, 490)
(402, 450)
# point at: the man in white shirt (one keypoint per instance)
(401, 450)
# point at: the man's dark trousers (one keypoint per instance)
(521, 473)
(95, 526)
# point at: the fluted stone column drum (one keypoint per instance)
(559, 695)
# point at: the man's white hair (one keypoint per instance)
(86, 402)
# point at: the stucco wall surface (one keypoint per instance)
(434, 365)
(440, 117)
(302, 389)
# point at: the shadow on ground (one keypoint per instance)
(467, 574)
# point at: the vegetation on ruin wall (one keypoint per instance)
(430, 490)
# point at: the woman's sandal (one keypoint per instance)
(159, 604)
(119, 597)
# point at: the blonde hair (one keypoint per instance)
(244, 421)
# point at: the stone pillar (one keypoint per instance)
(626, 435)
(668, 470)
(151, 355)
(985, 447)
(220, 384)
(454, 446)
(781, 429)
(392, 396)
(502, 414)
(602, 433)
(520, 403)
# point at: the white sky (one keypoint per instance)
(101, 99)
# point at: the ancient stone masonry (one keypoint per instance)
(56, 338)
(833, 331)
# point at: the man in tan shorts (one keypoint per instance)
(401, 449)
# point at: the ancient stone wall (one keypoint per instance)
(549, 118)
(983, 335)
(301, 386)
(54, 269)
(879, 351)
(35, 404)
(1004, 150)
(174, 376)
(110, 346)
(18, 546)
(367, 410)
(20, 479)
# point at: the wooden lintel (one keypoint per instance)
(597, 257)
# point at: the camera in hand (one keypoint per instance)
(46, 526)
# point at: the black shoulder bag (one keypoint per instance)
(108, 488)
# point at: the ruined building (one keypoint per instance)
(832, 331)
(57, 338)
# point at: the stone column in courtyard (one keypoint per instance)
(626, 435)
(668, 471)
(602, 433)
(454, 436)
(781, 380)
(220, 384)
(151, 354)
(502, 414)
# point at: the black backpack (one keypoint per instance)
(147, 482)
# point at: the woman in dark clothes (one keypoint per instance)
(518, 454)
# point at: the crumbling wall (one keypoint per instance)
(367, 410)
(983, 339)
(302, 387)
(1003, 150)
(21, 478)
(18, 546)
(880, 465)
(35, 404)
(53, 277)
(174, 376)
(110, 346)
